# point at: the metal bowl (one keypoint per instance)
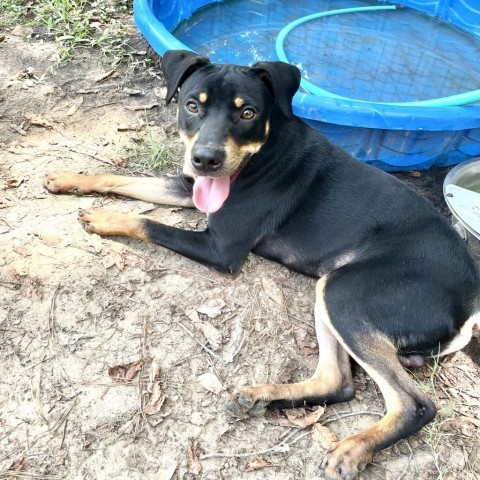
(461, 189)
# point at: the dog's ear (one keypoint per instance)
(178, 65)
(282, 80)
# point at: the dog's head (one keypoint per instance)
(224, 116)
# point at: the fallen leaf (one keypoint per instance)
(210, 382)
(74, 107)
(18, 129)
(24, 73)
(14, 182)
(161, 92)
(124, 373)
(22, 31)
(38, 120)
(256, 464)
(306, 420)
(61, 457)
(115, 257)
(156, 401)
(323, 435)
(213, 308)
(16, 467)
(212, 334)
(273, 290)
(193, 453)
(305, 342)
(167, 473)
(87, 440)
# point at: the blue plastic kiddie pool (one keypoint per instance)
(398, 88)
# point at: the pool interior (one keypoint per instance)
(381, 56)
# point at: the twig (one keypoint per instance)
(404, 471)
(281, 447)
(36, 438)
(11, 473)
(93, 155)
(212, 353)
(333, 418)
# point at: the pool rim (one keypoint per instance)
(345, 112)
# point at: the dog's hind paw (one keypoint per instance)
(243, 405)
(346, 458)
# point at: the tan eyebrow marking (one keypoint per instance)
(238, 102)
(203, 97)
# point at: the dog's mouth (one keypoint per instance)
(209, 194)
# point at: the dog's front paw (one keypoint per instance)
(100, 221)
(249, 402)
(65, 182)
(346, 458)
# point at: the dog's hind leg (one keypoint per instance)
(331, 382)
(175, 190)
(407, 408)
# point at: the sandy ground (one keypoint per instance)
(75, 308)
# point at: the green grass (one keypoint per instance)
(152, 155)
(74, 24)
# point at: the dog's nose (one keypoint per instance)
(207, 160)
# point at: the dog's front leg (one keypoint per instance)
(223, 254)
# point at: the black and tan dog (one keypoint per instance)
(396, 283)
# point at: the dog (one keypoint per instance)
(396, 284)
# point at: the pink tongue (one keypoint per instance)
(210, 193)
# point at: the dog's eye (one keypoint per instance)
(192, 107)
(248, 114)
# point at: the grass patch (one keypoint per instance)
(75, 24)
(435, 434)
(152, 154)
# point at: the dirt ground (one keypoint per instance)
(74, 308)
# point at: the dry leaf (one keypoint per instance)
(19, 129)
(115, 257)
(74, 107)
(305, 420)
(324, 436)
(17, 467)
(124, 373)
(210, 382)
(25, 73)
(213, 308)
(156, 401)
(14, 182)
(212, 334)
(22, 31)
(256, 464)
(305, 342)
(273, 290)
(38, 120)
(61, 457)
(193, 453)
(167, 473)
